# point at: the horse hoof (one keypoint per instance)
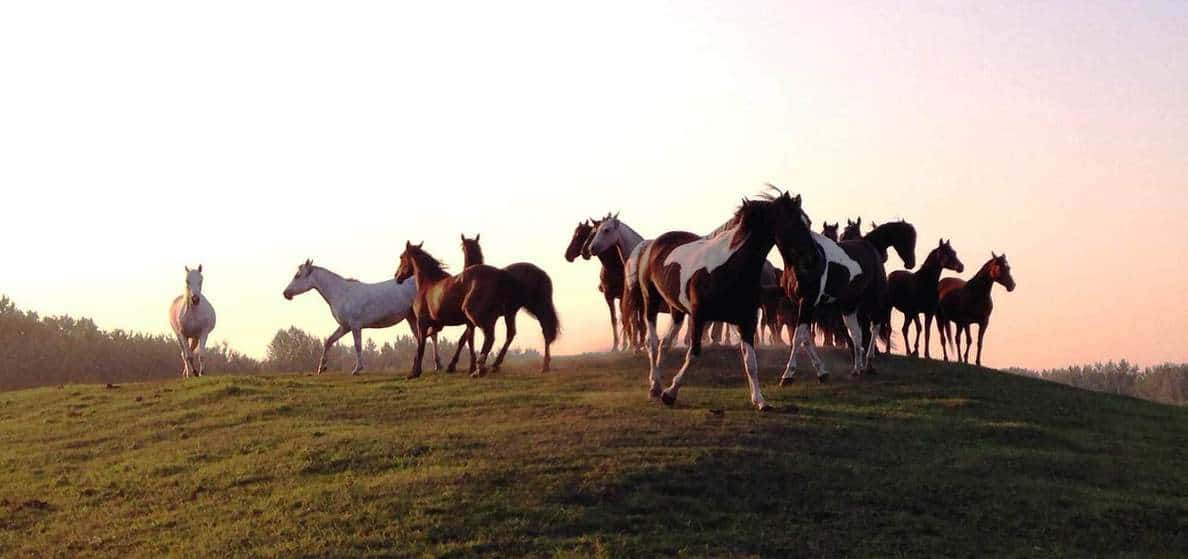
(475, 374)
(412, 376)
(785, 381)
(764, 407)
(870, 371)
(823, 379)
(654, 392)
(668, 399)
(495, 369)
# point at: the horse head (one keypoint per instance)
(302, 280)
(194, 285)
(581, 235)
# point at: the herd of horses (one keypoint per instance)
(831, 284)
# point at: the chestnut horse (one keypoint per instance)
(849, 276)
(536, 286)
(476, 298)
(966, 303)
(917, 292)
(610, 276)
(715, 278)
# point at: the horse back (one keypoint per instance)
(654, 273)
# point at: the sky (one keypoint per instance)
(140, 137)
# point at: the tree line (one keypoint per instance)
(55, 350)
(1166, 383)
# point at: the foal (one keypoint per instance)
(536, 290)
(918, 292)
(969, 302)
(476, 298)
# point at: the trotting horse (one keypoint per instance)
(716, 278)
(476, 298)
(918, 292)
(849, 276)
(969, 302)
(357, 306)
(536, 287)
(192, 318)
(610, 276)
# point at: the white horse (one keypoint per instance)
(357, 305)
(192, 318)
(613, 234)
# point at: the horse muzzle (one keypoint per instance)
(288, 296)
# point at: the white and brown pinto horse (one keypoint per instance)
(192, 318)
(716, 278)
(848, 276)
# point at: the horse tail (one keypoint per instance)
(536, 297)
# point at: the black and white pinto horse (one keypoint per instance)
(716, 278)
(848, 276)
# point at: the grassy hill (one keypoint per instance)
(927, 458)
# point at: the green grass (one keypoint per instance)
(927, 458)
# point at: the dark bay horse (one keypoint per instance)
(849, 276)
(476, 298)
(918, 292)
(716, 278)
(537, 292)
(610, 277)
(966, 303)
(853, 230)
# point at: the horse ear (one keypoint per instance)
(616, 216)
(463, 235)
(420, 244)
(476, 236)
(187, 269)
(940, 243)
(994, 256)
(200, 268)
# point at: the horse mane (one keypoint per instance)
(429, 264)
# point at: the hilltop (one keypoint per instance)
(926, 458)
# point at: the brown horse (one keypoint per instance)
(715, 278)
(918, 292)
(966, 303)
(610, 276)
(537, 292)
(476, 298)
(830, 231)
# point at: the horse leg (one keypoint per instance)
(333, 339)
(716, 333)
(488, 328)
(942, 328)
(422, 333)
(357, 334)
(916, 345)
(200, 357)
(697, 328)
(981, 336)
(510, 321)
(750, 360)
(870, 350)
(906, 330)
(968, 343)
(678, 319)
(436, 354)
(458, 350)
(653, 347)
(927, 335)
(856, 339)
(610, 305)
(183, 345)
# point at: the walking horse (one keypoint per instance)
(610, 276)
(849, 276)
(966, 303)
(716, 278)
(536, 287)
(475, 298)
(918, 292)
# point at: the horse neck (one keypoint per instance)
(930, 270)
(612, 258)
(331, 286)
(981, 283)
(427, 274)
(628, 238)
(757, 246)
(472, 258)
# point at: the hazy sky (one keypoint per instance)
(138, 137)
